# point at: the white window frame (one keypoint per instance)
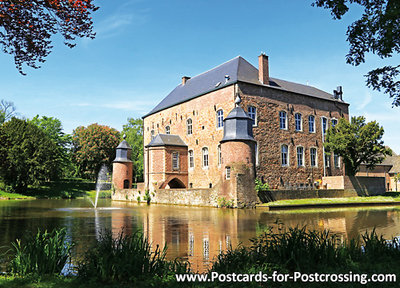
(302, 156)
(175, 160)
(287, 155)
(227, 172)
(336, 157)
(191, 158)
(316, 157)
(167, 130)
(205, 158)
(219, 155)
(220, 118)
(334, 119)
(296, 120)
(257, 155)
(313, 124)
(250, 113)
(327, 163)
(322, 125)
(286, 120)
(189, 126)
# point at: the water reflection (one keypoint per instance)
(191, 233)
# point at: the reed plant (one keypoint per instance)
(43, 253)
(126, 258)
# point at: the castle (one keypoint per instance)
(195, 138)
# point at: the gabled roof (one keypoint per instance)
(238, 69)
(166, 140)
(393, 160)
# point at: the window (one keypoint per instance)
(167, 130)
(284, 155)
(191, 159)
(311, 124)
(175, 160)
(336, 160)
(220, 118)
(219, 155)
(252, 111)
(152, 134)
(283, 120)
(313, 157)
(189, 126)
(228, 173)
(334, 122)
(300, 156)
(327, 160)
(324, 125)
(297, 121)
(205, 157)
(257, 159)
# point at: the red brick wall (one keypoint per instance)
(121, 172)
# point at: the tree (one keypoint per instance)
(134, 136)
(26, 27)
(357, 142)
(7, 110)
(377, 31)
(53, 128)
(27, 155)
(94, 146)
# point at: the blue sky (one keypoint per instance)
(143, 48)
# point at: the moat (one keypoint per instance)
(192, 233)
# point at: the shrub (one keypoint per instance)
(41, 254)
(260, 186)
(147, 196)
(138, 199)
(223, 202)
(126, 259)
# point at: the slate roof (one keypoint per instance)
(124, 145)
(166, 140)
(393, 160)
(238, 69)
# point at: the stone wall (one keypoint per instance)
(269, 102)
(275, 195)
(360, 185)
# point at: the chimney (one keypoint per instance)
(185, 79)
(263, 71)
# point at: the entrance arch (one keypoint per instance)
(176, 183)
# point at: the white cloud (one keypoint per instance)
(367, 99)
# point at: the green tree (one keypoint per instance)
(134, 136)
(27, 155)
(378, 32)
(94, 146)
(53, 128)
(26, 27)
(357, 142)
(7, 110)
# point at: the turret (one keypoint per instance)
(123, 166)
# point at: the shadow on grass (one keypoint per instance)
(66, 189)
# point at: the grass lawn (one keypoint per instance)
(344, 200)
(11, 196)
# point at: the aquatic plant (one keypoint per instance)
(126, 259)
(41, 254)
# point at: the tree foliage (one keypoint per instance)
(357, 142)
(377, 31)
(27, 155)
(54, 130)
(7, 110)
(94, 146)
(134, 136)
(26, 27)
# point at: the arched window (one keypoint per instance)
(204, 153)
(324, 123)
(311, 124)
(220, 118)
(152, 134)
(189, 126)
(300, 156)
(167, 130)
(297, 121)
(191, 159)
(252, 111)
(313, 157)
(284, 155)
(283, 120)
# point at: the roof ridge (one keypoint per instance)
(215, 67)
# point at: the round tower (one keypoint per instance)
(123, 166)
(238, 157)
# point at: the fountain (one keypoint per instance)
(103, 183)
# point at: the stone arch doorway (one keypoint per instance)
(176, 183)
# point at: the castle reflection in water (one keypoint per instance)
(198, 234)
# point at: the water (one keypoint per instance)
(196, 234)
(102, 183)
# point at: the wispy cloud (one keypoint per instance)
(367, 99)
